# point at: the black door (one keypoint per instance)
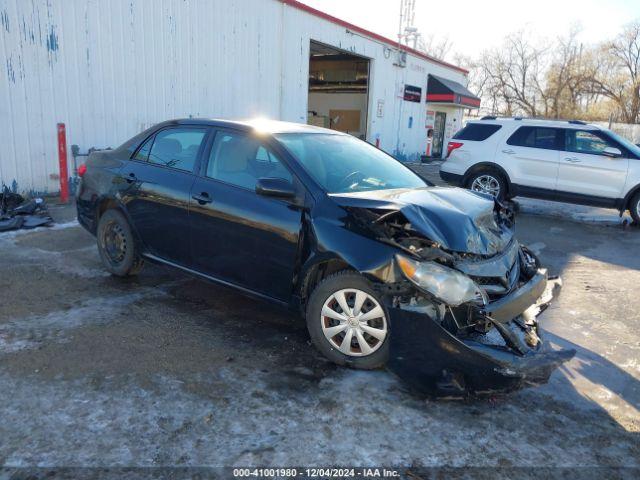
(160, 176)
(236, 235)
(438, 134)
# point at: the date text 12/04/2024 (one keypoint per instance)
(315, 472)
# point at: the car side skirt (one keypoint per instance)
(219, 281)
(546, 194)
(569, 197)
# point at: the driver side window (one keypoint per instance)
(581, 141)
(241, 160)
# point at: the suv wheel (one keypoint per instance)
(634, 207)
(488, 181)
(348, 322)
(117, 246)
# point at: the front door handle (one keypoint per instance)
(508, 152)
(202, 198)
(572, 159)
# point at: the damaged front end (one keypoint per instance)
(465, 295)
(480, 346)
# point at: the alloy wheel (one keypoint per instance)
(486, 184)
(354, 322)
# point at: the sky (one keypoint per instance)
(473, 26)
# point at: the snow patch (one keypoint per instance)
(25, 231)
(29, 332)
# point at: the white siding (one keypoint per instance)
(109, 69)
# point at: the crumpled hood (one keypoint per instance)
(459, 220)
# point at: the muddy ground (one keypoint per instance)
(167, 370)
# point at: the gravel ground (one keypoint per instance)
(167, 370)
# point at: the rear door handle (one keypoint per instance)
(131, 178)
(202, 198)
(572, 159)
(508, 152)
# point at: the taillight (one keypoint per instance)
(451, 146)
(82, 169)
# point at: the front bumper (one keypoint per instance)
(434, 361)
(518, 301)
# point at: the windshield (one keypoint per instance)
(626, 143)
(344, 164)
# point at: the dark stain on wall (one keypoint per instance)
(11, 73)
(4, 20)
(52, 40)
(27, 32)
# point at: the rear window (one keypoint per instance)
(477, 132)
(537, 137)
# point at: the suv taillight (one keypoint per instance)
(82, 169)
(451, 146)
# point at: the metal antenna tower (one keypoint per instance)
(408, 34)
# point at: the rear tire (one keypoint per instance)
(117, 246)
(367, 320)
(488, 180)
(634, 208)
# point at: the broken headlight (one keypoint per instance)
(446, 284)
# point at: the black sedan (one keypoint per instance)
(384, 267)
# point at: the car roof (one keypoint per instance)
(541, 122)
(261, 125)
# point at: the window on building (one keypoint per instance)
(536, 137)
(177, 147)
(241, 160)
(476, 132)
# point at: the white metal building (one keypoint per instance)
(108, 69)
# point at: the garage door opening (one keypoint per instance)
(338, 90)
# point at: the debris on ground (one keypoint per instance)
(17, 212)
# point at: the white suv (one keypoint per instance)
(567, 161)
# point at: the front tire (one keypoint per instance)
(488, 181)
(116, 245)
(348, 322)
(634, 208)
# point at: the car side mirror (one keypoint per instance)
(275, 187)
(612, 152)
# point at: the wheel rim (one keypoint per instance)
(486, 184)
(638, 208)
(354, 322)
(114, 242)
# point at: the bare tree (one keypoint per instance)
(512, 76)
(562, 79)
(436, 47)
(618, 76)
(568, 91)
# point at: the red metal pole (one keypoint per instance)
(62, 160)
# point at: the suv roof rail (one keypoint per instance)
(573, 122)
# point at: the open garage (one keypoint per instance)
(338, 90)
